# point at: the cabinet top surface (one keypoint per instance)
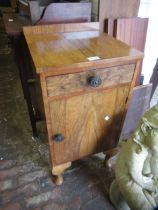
(78, 49)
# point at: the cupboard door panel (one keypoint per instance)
(90, 123)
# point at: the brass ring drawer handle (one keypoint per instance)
(58, 137)
(94, 81)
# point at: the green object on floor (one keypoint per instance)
(136, 171)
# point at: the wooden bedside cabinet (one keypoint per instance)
(86, 80)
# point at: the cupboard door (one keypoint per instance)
(87, 124)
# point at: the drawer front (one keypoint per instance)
(86, 124)
(82, 82)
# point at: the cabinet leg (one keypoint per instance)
(57, 172)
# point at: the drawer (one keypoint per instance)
(92, 79)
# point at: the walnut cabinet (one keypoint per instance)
(86, 80)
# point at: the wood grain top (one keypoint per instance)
(71, 50)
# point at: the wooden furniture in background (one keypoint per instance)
(86, 81)
(13, 4)
(117, 9)
(13, 23)
(60, 12)
(36, 11)
(139, 104)
(67, 13)
(132, 31)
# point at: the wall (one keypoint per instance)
(149, 8)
